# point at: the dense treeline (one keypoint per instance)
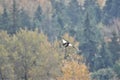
(96, 29)
(28, 55)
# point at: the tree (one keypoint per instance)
(24, 19)
(33, 48)
(104, 58)
(75, 14)
(59, 19)
(5, 20)
(116, 68)
(73, 11)
(28, 55)
(104, 74)
(91, 39)
(114, 47)
(111, 11)
(74, 69)
(93, 10)
(6, 67)
(38, 16)
(15, 19)
(14, 27)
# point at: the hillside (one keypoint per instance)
(39, 39)
(28, 5)
(31, 5)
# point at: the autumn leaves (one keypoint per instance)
(29, 55)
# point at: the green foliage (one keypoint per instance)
(103, 74)
(28, 53)
(114, 48)
(73, 11)
(38, 16)
(116, 68)
(15, 19)
(5, 21)
(104, 59)
(93, 10)
(59, 21)
(14, 15)
(91, 39)
(111, 11)
(24, 20)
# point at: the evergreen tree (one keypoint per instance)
(111, 11)
(38, 15)
(116, 68)
(14, 27)
(5, 23)
(93, 9)
(114, 48)
(104, 74)
(91, 38)
(24, 19)
(60, 13)
(73, 12)
(59, 18)
(104, 59)
(12, 22)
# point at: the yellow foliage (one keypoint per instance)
(30, 53)
(74, 69)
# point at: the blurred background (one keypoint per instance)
(30, 33)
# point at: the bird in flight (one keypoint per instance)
(66, 43)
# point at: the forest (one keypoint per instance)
(31, 33)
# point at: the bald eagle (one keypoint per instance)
(65, 43)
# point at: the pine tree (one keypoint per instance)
(111, 11)
(94, 11)
(24, 19)
(59, 18)
(38, 16)
(73, 12)
(91, 39)
(116, 68)
(15, 18)
(5, 20)
(114, 48)
(104, 59)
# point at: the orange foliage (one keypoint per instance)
(101, 3)
(73, 69)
